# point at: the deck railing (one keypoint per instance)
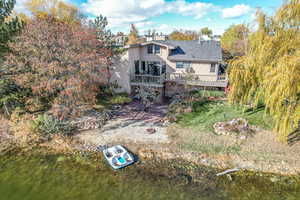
(148, 79)
(195, 77)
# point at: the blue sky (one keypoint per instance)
(168, 15)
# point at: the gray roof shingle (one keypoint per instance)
(194, 50)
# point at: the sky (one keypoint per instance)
(168, 15)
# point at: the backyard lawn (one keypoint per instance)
(206, 113)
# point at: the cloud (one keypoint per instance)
(236, 11)
(196, 9)
(20, 7)
(124, 12)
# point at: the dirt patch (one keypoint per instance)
(130, 124)
(261, 152)
(4, 129)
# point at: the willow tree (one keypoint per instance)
(269, 73)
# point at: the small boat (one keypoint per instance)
(118, 157)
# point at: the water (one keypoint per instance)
(54, 177)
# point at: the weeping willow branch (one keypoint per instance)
(269, 73)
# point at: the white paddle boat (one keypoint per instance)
(118, 157)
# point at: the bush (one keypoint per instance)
(49, 125)
(120, 99)
(11, 96)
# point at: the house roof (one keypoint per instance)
(194, 50)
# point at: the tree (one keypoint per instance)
(184, 35)
(235, 39)
(56, 8)
(63, 65)
(9, 26)
(269, 73)
(206, 31)
(133, 37)
(103, 34)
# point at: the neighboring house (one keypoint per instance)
(120, 40)
(170, 67)
(154, 37)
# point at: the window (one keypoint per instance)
(157, 49)
(213, 67)
(137, 66)
(163, 67)
(179, 64)
(183, 65)
(150, 49)
(143, 66)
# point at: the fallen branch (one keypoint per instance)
(228, 171)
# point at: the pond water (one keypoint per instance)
(54, 177)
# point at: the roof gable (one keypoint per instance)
(194, 50)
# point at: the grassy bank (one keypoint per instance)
(206, 113)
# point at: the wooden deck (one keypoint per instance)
(182, 78)
(199, 80)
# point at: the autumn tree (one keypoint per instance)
(133, 37)
(184, 35)
(206, 31)
(62, 65)
(269, 73)
(55, 8)
(234, 40)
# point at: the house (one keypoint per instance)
(155, 37)
(169, 67)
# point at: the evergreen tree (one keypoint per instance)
(103, 34)
(8, 28)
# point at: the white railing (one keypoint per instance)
(146, 78)
(195, 77)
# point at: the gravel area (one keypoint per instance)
(131, 125)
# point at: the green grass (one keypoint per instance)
(206, 113)
(107, 100)
(209, 93)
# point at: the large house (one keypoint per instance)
(170, 67)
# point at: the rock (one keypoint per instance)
(233, 127)
(93, 120)
(151, 130)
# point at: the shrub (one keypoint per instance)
(49, 125)
(120, 99)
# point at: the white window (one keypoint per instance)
(153, 49)
(183, 65)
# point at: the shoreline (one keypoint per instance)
(159, 151)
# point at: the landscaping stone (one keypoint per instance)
(151, 130)
(237, 127)
(93, 120)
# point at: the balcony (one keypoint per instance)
(148, 79)
(199, 80)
